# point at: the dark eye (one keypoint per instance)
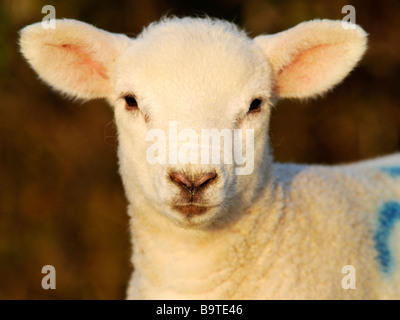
(130, 102)
(255, 106)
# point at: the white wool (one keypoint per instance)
(283, 232)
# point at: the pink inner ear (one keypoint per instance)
(85, 59)
(309, 70)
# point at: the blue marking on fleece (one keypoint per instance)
(388, 216)
(393, 171)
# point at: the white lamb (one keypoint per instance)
(203, 231)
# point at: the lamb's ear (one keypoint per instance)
(312, 57)
(74, 58)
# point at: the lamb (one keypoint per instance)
(201, 230)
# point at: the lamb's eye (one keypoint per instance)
(130, 102)
(255, 106)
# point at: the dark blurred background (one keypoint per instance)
(61, 199)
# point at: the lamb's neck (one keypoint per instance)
(180, 261)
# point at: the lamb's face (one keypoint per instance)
(173, 88)
(182, 77)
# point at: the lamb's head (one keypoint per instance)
(192, 100)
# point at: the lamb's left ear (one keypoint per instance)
(312, 57)
(75, 58)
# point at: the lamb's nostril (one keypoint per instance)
(181, 179)
(204, 179)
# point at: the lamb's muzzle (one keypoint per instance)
(192, 187)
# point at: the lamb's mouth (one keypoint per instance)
(191, 210)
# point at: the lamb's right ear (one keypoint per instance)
(75, 58)
(312, 57)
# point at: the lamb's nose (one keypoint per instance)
(192, 185)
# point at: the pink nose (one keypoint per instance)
(192, 185)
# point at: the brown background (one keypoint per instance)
(61, 200)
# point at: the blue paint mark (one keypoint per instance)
(388, 216)
(392, 171)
